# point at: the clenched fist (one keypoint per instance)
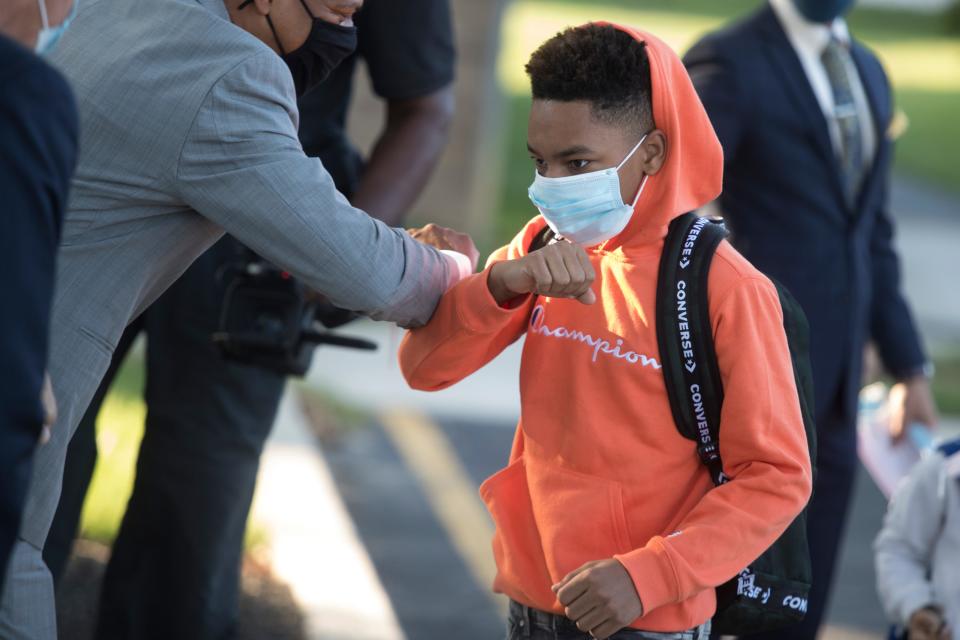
(442, 238)
(600, 598)
(559, 270)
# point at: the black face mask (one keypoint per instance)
(326, 47)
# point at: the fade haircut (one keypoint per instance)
(598, 64)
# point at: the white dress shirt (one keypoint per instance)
(809, 39)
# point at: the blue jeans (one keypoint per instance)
(525, 623)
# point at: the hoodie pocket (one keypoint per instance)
(580, 517)
(521, 572)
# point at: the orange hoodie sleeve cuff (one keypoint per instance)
(652, 573)
(482, 314)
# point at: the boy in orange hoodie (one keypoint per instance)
(607, 523)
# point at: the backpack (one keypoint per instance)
(772, 591)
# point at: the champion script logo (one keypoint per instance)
(600, 345)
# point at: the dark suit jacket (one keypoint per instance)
(783, 199)
(38, 151)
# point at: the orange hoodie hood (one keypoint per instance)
(692, 173)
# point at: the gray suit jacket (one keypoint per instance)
(189, 128)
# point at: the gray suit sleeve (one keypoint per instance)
(242, 167)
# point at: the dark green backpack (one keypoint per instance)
(772, 591)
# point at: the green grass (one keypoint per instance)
(929, 148)
(120, 427)
(923, 61)
(946, 383)
(515, 208)
(119, 432)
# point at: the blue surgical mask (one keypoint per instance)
(823, 11)
(48, 35)
(586, 209)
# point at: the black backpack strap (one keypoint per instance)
(544, 237)
(685, 335)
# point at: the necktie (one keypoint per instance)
(837, 63)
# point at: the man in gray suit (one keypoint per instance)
(189, 129)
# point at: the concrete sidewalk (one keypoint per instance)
(314, 547)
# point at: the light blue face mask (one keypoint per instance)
(48, 35)
(586, 209)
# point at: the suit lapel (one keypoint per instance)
(794, 79)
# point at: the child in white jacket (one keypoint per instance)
(918, 550)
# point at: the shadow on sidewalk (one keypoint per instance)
(267, 609)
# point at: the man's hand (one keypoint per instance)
(49, 402)
(911, 402)
(927, 624)
(559, 270)
(600, 598)
(443, 238)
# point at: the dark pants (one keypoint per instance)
(826, 515)
(524, 623)
(174, 570)
(16, 461)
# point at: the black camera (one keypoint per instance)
(271, 320)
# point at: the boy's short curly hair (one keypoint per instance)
(598, 64)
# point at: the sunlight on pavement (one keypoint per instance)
(314, 547)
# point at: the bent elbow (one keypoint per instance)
(415, 366)
(409, 368)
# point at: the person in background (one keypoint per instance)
(408, 48)
(803, 111)
(198, 462)
(38, 154)
(918, 550)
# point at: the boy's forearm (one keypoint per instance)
(497, 286)
(741, 515)
(763, 444)
(468, 329)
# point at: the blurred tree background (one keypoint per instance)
(953, 18)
